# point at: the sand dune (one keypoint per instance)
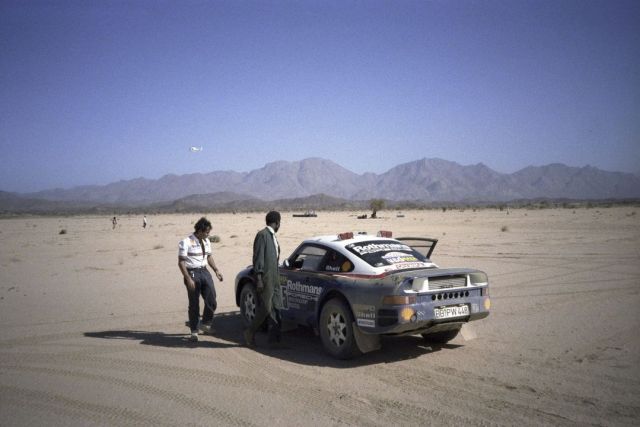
(92, 327)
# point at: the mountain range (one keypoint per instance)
(424, 180)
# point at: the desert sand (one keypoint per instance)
(92, 327)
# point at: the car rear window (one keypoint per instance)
(380, 253)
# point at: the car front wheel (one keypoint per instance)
(336, 330)
(248, 303)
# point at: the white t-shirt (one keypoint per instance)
(191, 250)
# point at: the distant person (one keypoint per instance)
(266, 252)
(194, 253)
(144, 221)
(114, 222)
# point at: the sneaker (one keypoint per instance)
(193, 337)
(205, 328)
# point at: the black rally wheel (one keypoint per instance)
(248, 303)
(336, 330)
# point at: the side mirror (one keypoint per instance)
(285, 263)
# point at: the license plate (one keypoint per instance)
(451, 311)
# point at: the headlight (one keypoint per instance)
(478, 279)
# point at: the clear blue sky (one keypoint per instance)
(93, 92)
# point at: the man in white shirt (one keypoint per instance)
(194, 253)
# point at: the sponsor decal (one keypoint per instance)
(370, 248)
(405, 265)
(303, 288)
(298, 295)
(367, 323)
(399, 257)
(365, 315)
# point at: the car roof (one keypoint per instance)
(334, 241)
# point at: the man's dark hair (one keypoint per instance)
(273, 217)
(202, 224)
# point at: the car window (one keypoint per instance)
(336, 262)
(311, 257)
(380, 253)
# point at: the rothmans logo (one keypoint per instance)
(303, 288)
(363, 249)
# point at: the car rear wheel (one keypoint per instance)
(442, 337)
(248, 303)
(336, 330)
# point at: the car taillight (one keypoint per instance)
(398, 300)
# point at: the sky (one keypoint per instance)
(93, 92)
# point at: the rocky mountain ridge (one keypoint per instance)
(424, 180)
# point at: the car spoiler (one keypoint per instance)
(424, 245)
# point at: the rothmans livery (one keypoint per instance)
(191, 249)
(354, 288)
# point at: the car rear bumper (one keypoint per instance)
(421, 317)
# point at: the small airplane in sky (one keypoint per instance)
(195, 149)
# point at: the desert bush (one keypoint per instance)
(158, 247)
(63, 231)
(504, 228)
(214, 239)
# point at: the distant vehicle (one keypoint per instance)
(195, 149)
(352, 289)
(307, 214)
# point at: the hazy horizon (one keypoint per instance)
(98, 92)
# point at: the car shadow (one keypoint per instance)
(299, 345)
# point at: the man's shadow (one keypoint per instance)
(299, 344)
(227, 326)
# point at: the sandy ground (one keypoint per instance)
(92, 327)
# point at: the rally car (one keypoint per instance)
(351, 289)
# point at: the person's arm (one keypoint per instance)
(213, 266)
(188, 281)
(258, 260)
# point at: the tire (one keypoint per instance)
(248, 303)
(442, 337)
(336, 330)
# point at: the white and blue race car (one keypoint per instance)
(351, 289)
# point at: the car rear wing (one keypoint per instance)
(424, 245)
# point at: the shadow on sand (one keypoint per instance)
(299, 345)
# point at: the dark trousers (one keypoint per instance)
(262, 316)
(204, 286)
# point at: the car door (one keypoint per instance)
(300, 283)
